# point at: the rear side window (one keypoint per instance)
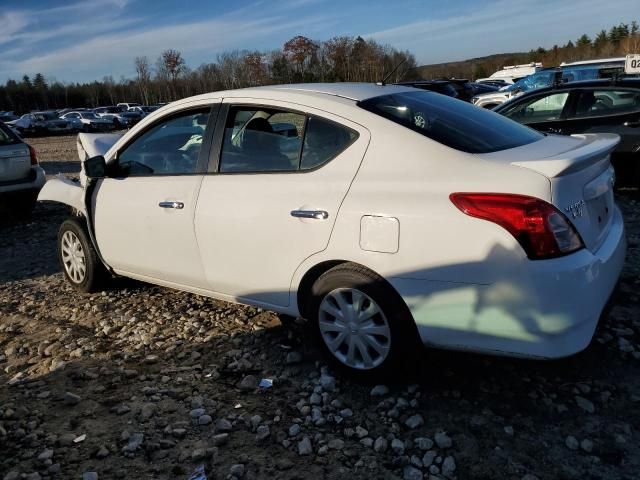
(456, 124)
(595, 103)
(324, 140)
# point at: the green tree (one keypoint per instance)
(583, 41)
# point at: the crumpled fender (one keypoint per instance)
(64, 190)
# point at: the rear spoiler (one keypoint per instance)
(591, 151)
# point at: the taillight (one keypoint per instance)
(540, 228)
(32, 154)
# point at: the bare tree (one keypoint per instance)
(171, 65)
(143, 77)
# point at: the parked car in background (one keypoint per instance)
(129, 118)
(88, 122)
(115, 115)
(499, 83)
(40, 123)
(127, 106)
(597, 106)
(457, 88)
(569, 72)
(21, 178)
(143, 110)
(513, 73)
(524, 270)
(7, 117)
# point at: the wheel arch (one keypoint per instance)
(313, 273)
(63, 190)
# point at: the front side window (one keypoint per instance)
(538, 109)
(456, 124)
(170, 147)
(596, 103)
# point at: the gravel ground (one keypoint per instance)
(144, 382)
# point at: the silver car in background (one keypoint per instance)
(21, 177)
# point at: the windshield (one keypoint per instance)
(450, 122)
(88, 115)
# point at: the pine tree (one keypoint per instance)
(583, 41)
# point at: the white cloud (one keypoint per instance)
(504, 26)
(106, 54)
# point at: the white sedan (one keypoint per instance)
(88, 122)
(383, 215)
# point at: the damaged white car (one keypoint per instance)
(387, 216)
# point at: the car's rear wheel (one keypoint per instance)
(362, 324)
(80, 263)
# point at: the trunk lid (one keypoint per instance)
(581, 177)
(15, 162)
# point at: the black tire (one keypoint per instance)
(405, 345)
(95, 273)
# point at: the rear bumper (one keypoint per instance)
(549, 309)
(34, 182)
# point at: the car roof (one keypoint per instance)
(350, 90)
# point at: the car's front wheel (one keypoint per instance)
(362, 323)
(80, 263)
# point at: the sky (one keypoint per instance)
(84, 40)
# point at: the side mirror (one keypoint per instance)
(95, 167)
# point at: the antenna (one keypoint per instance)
(384, 80)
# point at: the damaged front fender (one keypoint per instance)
(64, 190)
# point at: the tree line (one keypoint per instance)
(300, 59)
(619, 40)
(168, 78)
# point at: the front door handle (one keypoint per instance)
(176, 205)
(631, 124)
(315, 214)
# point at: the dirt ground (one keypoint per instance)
(144, 382)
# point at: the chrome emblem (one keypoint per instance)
(575, 209)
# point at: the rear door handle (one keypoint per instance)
(315, 214)
(176, 205)
(631, 124)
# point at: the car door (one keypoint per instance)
(144, 211)
(544, 111)
(608, 110)
(612, 110)
(272, 199)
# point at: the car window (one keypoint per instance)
(169, 147)
(261, 141)
(538, 108)
(456, 124)
(607, 102)
(6, 137)
(267, 140)
(324, 140)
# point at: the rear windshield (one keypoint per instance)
(6, 136)
(451, 122)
